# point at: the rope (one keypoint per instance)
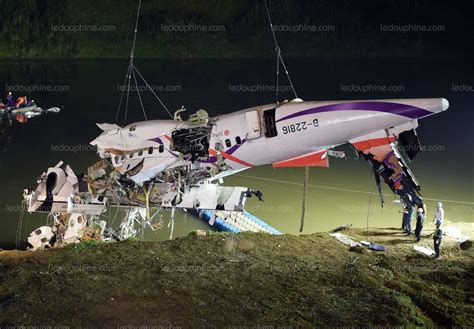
(139, 96)
(121, 96)
(287, 74)
(131, 70)
(277, 78)
(341, 189)
(128, 93)
(279, 57)
(158, 98)
(132, 53)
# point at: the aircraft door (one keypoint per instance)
(252, 119)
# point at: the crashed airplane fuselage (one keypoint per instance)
(176, 163)
(292, 134)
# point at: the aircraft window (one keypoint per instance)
(131, 155)
(38, 232)
(238, 140)
(133, 128)
(140, 153)
(122, 157)
(44, 240)
(117, 159)
(218, 146)
(150, 150)
(161, 148)
(270, 124)
(228, 143)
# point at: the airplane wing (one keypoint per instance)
(381, 150)
(313, 159)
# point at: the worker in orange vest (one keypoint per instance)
(21, 101)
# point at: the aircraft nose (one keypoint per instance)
(94, 142)
(443, 104)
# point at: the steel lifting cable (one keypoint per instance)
(131, 70)
(153, 92)
(132, 54)
(139, 96)
(279, 57)
(121, 96)
(128, 96)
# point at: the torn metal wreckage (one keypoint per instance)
(169, 164)
(174, 163)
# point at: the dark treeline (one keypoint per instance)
(236, 28)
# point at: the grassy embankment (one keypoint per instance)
(246, 279)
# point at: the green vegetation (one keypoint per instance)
(246, 279)
(84, 245)
(103, 29)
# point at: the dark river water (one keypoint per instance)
(89, 92)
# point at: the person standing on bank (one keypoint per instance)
(438, 233)
(420, 220)
(439, 215)
(437, 237)
(408, 218)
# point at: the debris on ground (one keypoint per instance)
(341, 228)
(424, 250)
(345, 239)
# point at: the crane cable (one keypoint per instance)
(131, 70)
(279, 58)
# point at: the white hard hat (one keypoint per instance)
(439, 204)
(420, 209)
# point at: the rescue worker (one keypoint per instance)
(407, 218)
(404, 218)
(10, 102)
(420, 220)
(437, 237)
(439, 215)
(21, 101)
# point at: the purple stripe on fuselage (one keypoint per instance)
(393, 108)
(157, 140)
(235, 147)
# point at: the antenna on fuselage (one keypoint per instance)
(133, 71)
(279, 58)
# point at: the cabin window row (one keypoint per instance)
(238, 141)
(150, 151)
